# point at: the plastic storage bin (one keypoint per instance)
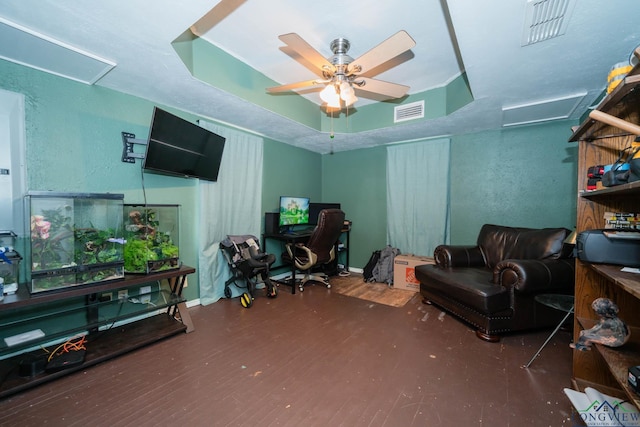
(7, 238)
(75, 239)
(152, 238)
(10, 270)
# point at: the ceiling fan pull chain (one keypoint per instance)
(331, 135)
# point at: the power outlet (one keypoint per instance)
(123, 294)
(107, 296)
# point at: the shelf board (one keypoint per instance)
(629, 282)
(101, 346)
(23, 298)
(55, 324)
(619, 359)
(626, 93)
(628, 189)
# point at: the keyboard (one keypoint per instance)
(300, 231)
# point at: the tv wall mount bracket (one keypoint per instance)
(128, 141)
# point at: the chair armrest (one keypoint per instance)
(532, 276)
(447, 256)
(301, 255)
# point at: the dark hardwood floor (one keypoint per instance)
(315, 358)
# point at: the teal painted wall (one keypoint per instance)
(523, 176)
(288, 171)
(357, 180)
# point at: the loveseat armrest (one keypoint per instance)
(533, 276)
(447, 256)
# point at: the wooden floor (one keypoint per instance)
(315, 358)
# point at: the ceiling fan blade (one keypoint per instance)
(387, 89)
(293, 86)
(398, 43)
(298, 45)
(215, 15)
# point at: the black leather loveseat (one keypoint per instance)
(492, 285)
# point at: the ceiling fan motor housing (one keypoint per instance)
(340, 59)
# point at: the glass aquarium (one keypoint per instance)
(75, 239)
(152, 238)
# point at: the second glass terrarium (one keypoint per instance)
(152, 238)
(75, 239)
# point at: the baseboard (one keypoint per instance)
(193, 302)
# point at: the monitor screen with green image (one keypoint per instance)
(294, 210)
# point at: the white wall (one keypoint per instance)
(12, 161)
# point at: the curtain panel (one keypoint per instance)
(418, 196)
(232, 205)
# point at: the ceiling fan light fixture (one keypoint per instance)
(334, 103)
(330, 96)
(347, 94)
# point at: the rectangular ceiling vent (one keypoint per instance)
(412, 111)
(546, 19)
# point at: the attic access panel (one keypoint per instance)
(31, 49)
(541, 111)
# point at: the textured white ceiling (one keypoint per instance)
(482, 39)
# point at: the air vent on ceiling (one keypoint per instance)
(402, 113)
(546, 19)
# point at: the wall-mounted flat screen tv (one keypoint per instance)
(180, 148)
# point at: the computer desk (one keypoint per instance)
(299, 237)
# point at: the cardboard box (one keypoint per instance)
(404, 275)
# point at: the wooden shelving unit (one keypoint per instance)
(606, 368)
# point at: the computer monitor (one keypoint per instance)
(315, 208)
(294, 211)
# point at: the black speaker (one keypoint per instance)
(271, 223)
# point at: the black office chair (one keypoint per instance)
(319, 249)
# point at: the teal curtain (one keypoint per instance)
(418, 196)
(232, 205)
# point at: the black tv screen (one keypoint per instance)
(180, 148)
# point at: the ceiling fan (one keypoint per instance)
(341, 75)
(215, 16)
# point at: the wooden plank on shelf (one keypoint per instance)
(619, 359)
(629, 282)
(629, 188)
(628, 88)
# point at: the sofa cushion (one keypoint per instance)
(470, 286)
(498, 243)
